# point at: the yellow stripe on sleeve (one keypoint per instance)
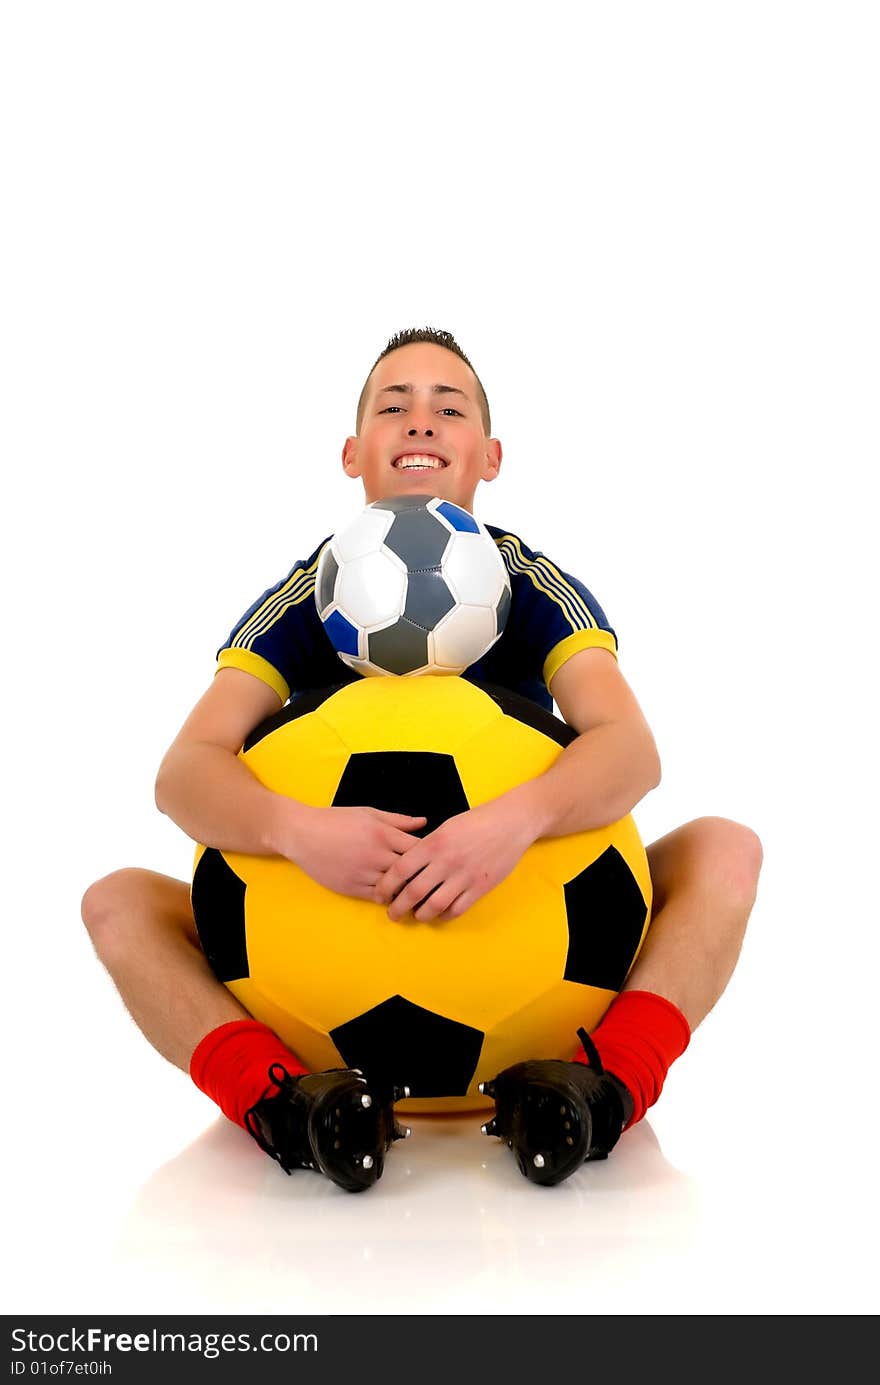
(549, 580)
(581, 639)
(299, 586)
(249, 662)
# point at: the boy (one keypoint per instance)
(423, 426)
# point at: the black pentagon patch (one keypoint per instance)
(403, 781)
(218, 909)
(502, 610)
(428, 598)
(606, 915)
(327, 583)
(418, 537)
(402, 1043)
(400, 648)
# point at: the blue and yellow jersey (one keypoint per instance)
(281, 639)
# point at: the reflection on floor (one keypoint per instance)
(451, 1221)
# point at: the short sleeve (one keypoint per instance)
(556, 615)
(276, 637)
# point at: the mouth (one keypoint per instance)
(419, 463)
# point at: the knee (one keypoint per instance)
(107, 906)
(730, 857)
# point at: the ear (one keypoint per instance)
(492, 460)
(350, 463)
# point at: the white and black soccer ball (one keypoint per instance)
(413, 585)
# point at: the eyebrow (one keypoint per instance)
(435, 389)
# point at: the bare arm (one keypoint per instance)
(215, 798)
(205, 788)
(603, 774)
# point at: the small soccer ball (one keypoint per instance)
(413, 585)
(436, 1007)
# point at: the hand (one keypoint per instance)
(350, 849)
(457, 864)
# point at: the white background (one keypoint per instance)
(653, 229)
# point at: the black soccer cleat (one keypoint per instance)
(556, 1115)
(328, 1121)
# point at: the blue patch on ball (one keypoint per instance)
(460, 519)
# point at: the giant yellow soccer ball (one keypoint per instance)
(437, 1007)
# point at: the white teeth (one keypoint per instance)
(419, 462)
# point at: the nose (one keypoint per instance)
(421, 412)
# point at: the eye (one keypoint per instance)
(448, 410)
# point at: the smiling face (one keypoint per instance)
(422, 399)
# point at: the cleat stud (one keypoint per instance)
(563, 1111)
(366, 1100)
(569, 1140)
(538, 1161)
(490, 1128)
(367, 1161)
(566, 1125)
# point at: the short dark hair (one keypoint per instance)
(439, 338)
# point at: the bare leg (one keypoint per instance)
(704, 875)
(142, 928)
(705, 878)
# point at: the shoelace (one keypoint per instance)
(591, 1051)
(284, 1083)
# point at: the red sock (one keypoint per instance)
(639, 1037)
(231, 1065)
